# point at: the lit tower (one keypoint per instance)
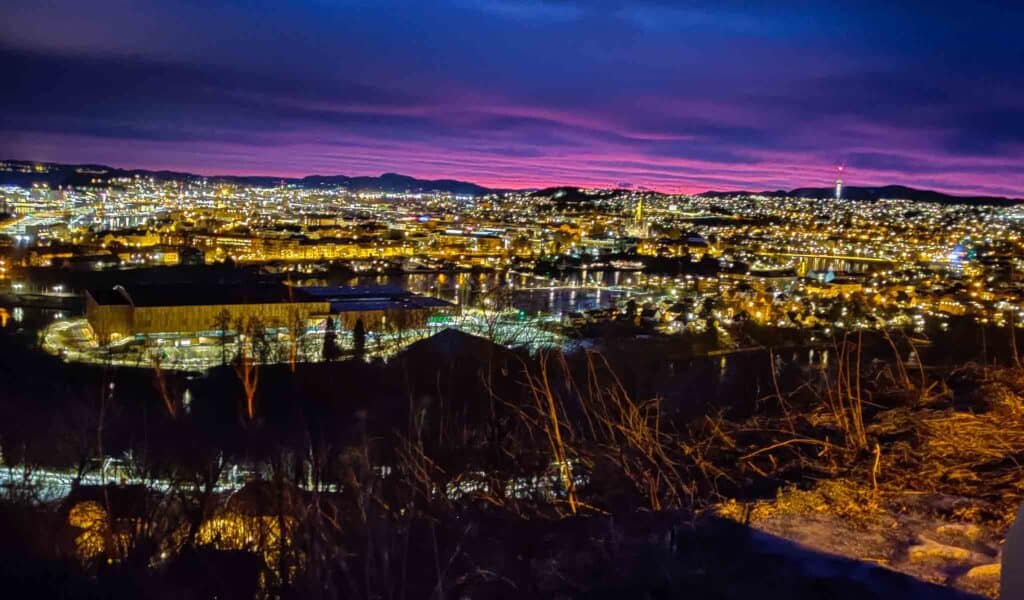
(639, 228)
(839, 182)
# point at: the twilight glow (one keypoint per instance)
(676, 96)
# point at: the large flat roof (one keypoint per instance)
(199, 295)
(340, 298)
(371, 297)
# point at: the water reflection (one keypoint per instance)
(27, 319)
(532, 294)
(819, 263)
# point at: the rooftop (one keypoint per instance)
(183, 294)
(367, 298)
(341, 298)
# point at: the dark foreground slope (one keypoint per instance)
(462, 469)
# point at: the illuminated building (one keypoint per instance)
(187, 311)
(184, 312)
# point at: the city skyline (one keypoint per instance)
(520, 94)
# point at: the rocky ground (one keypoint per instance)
(933, 493)
(931, 537)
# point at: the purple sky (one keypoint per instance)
(677, 96)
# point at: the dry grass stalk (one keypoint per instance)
(247, 369)
(843, 395)
(546, 404)
(160, 380)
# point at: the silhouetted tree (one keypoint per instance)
(707, 309)
(330, 351)
(359, 339)
(711, 333)
(247, 365)
(497, 317)
(222, 323)
(836, 312)
(261, 343)
(631, 310)
(297, 338)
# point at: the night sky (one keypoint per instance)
(677, 96)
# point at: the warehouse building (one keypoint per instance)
(186, 311)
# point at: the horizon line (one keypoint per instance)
(628, 186)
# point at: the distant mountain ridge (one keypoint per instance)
(899, 192)
(24, 173)
(394, 182)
